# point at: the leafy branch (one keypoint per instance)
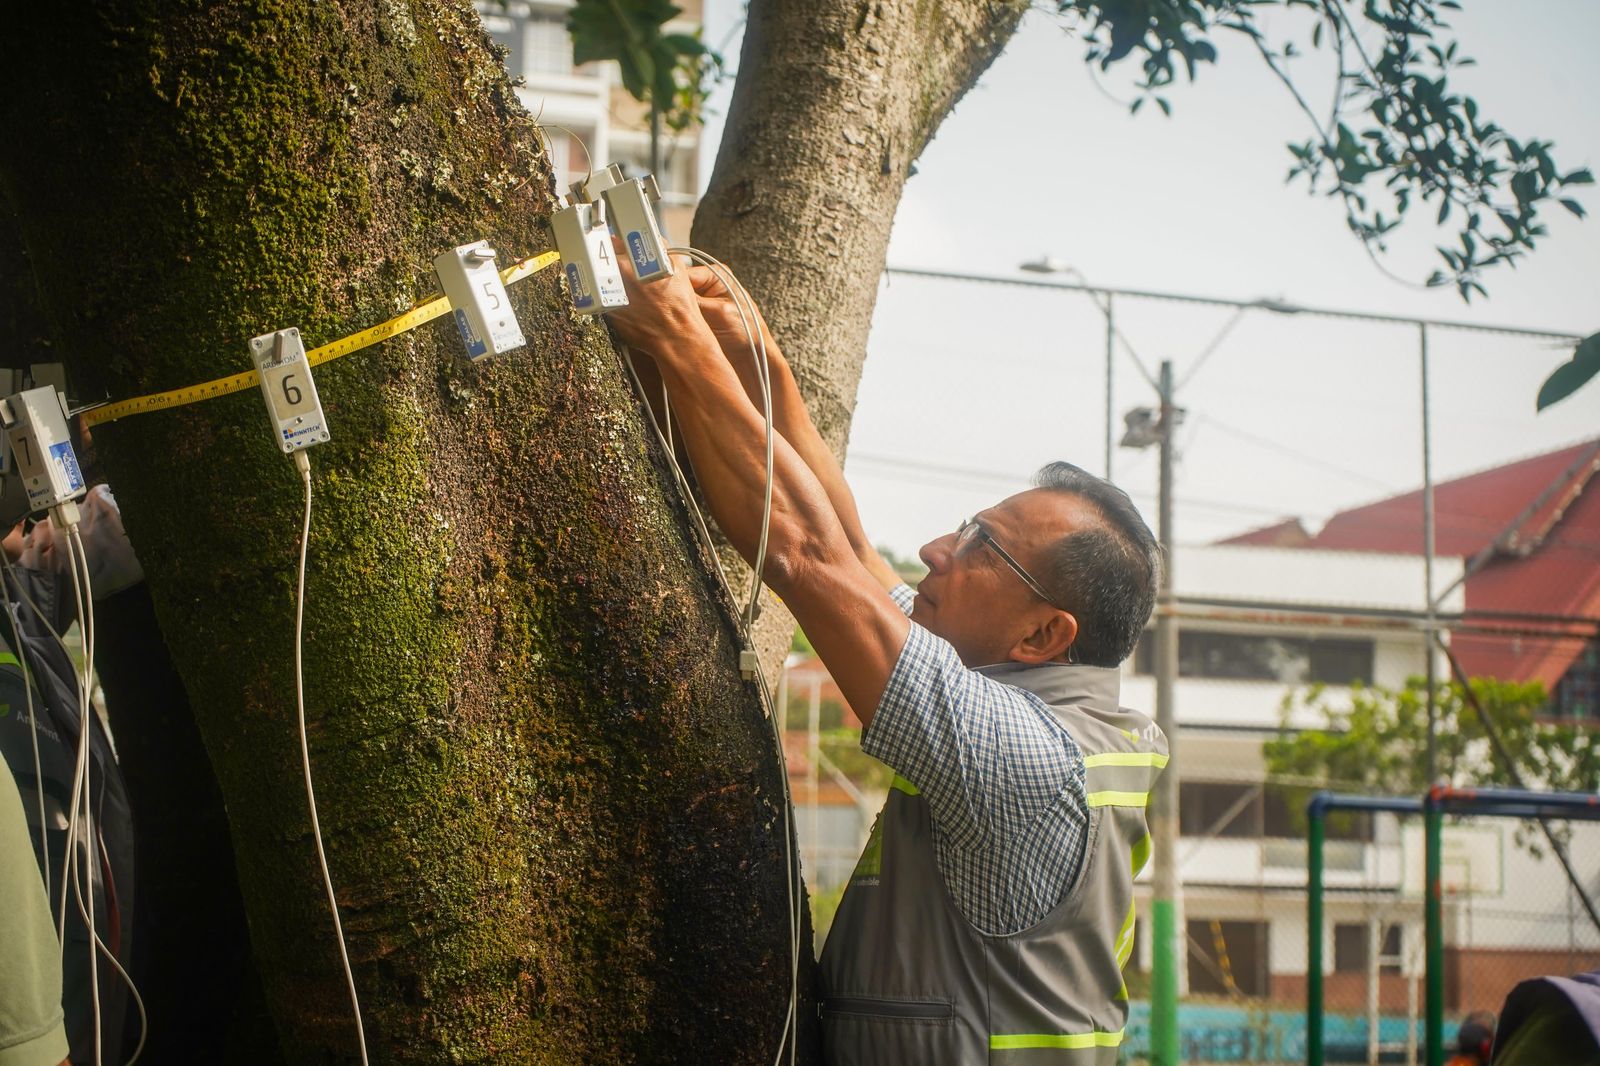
(1397, 134)
(671, 73)
(1375, 739)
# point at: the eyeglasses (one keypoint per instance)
(971, 533)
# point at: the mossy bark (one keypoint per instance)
(835, 101)
(553, 811)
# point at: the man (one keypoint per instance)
(992, 910)
(1474, 1040)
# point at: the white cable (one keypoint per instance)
(104, 949)
(86, 629)
(79, 775)
(303, 463)
(666, 413)
(74, 545)
(33, 722)
(772, 715)
(91, 636)
(758, 350)
(745, 307)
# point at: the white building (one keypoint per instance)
(589, 119)
(1257, 624)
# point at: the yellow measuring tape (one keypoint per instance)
(397, 325)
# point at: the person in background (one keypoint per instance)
(1474, 1040)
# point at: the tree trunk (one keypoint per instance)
(835, 101)
(554, 814)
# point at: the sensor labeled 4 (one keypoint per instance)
(632, 205)
(584, 242)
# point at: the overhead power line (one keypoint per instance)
(1260, 303)
(1014, 480)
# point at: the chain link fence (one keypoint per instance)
(1510, 914)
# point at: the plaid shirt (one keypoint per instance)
(1003, 779)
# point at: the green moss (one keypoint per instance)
(548, 801)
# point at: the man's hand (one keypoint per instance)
(663, 316)
(721, 313)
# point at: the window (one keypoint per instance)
(1262, 657)
(1577, 694)
(549, 47)
(1203, 804)
(1283, 815)
(1350, 948)
(1228, 958)
(1241, 810)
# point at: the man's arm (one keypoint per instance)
(846, 612)
(789, 414)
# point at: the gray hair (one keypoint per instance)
(1106, 575)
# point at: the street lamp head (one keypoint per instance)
(1143, 428)
(1045, 264)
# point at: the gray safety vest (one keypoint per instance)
(907, 980)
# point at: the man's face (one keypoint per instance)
(975, 600)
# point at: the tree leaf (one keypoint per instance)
(1571, 375)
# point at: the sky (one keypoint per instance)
(970, 387)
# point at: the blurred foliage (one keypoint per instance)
(671, 73)
(824, 905)
(843, 749)
(1375, 740)
(911, 570)
(797, 715)
(1395, 132)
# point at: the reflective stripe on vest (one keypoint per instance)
(1119, 799)
(1069, 1041)
(1126, 758)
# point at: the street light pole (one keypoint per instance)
(1166, 906)
(1111, 337)
(1047, 264)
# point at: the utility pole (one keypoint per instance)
(1167, 939)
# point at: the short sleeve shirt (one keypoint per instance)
(1003, 778)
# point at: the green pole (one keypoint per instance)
(1164, 984)
(1314, 931)
(1433, 819)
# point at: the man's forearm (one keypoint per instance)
(725, 436)
(791, 418)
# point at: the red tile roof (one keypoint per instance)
(1538, 520)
